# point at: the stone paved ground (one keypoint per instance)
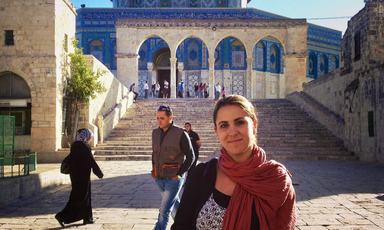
(330, 195)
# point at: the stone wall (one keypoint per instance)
(362, 57)
(107, 107)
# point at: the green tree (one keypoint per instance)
(82, 82)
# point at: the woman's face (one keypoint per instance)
(89, 141)
(236, 132)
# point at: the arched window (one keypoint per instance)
(334, 63)
(323, 65)
(274, 59)
(192, 54)
(260, 56)
(238, 55)
(312, 65)
(96, 48)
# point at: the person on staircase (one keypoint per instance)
(240, 190)
(132, 89)
(146, 89)
(170, 145)
(165, 89)
(196, 144)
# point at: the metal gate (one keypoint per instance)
(7, 140)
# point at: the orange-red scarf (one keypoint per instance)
(268, 185)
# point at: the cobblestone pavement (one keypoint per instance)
(330, 195)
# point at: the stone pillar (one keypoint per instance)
(173, 83)
(211, 61)
(248, 92)
(150, 78)
(295, 72)
(127, 70)
(180, 68)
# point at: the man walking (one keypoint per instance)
(170, 144)
(132, 89)
(196, 143)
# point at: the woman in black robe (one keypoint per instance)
(81, 162)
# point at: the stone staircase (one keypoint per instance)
(284, 131)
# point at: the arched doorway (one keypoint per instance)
(161, 58)
(15, 100)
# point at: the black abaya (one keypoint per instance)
(79, 205)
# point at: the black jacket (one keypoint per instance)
(199, 187)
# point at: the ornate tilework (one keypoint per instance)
(273, 85)
(238, 83)
(192, 78)
(96, 48)
(323, 65)
(179, 3)
(164, 3)
(312, 65)
(208, 3)
(219, 77)
(238, 59)
(143, 76)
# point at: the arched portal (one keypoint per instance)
(192, 62)
(163, 68)
(154, 64)
(15, 100)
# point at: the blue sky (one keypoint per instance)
(309, 9)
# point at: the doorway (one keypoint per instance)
(164, 74)
(163, 66)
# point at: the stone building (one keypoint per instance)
(34, 36)
(354, 93)
(251, 52)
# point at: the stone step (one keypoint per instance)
(284, 131)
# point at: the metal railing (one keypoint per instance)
(18, 163)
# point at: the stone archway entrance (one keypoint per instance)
(163, 68)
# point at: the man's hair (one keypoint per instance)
(166, 109)
(187, 123)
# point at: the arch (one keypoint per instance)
(272, 37)
(260, 53)
(147, 37)
(13, 87)
(193, 53)
(237, 53)
(312, 65)
(334, 63)
(96, 48)
(323, 65)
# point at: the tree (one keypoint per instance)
(82, 81)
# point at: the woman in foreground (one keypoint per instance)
(79, 205)
(240, 190)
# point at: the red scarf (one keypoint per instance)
(268, 185)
